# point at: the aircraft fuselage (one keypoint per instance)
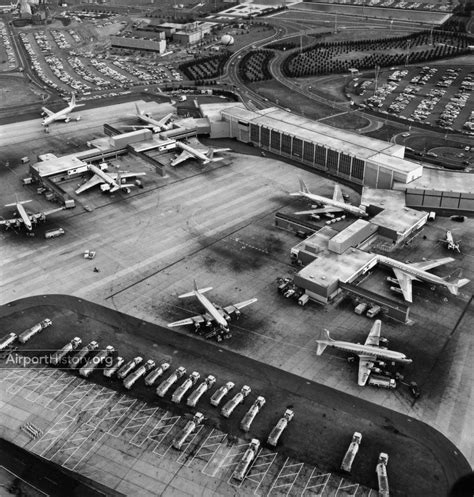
(352, 209)
(367, 350)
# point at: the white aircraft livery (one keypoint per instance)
(156, 125)
(109, 182)
(26, 219)
(205, 156)
(219, 315)
(406, 273)
(368, 353)
(62, 115)
(336, 204)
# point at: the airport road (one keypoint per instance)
(422, 461)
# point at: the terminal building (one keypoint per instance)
(139, 43)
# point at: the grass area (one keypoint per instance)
(14, 90)
(279, 94)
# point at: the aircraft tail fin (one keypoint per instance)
(73, 100)
(211, 153)
(322, 344)
(454, 286)
(303, 186)
(139, 112)
(195, 291)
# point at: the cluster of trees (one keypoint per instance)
(207, 67)
(337, 57)
(289, 45)
(254, 66)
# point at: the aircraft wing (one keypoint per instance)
(184, 155)
(40, 215)
(222, 150)
(94, 181)
(425, 265)
(322, 210)
(404, 281)
(48, 112)
(165, 119)
(373, 337)
(365, 365)
(125, 175)
(338, 194)
(13, 220)
(230, 309)
(183, 322)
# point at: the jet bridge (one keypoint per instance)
(392, 308)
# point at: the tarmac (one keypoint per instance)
(81, 412)
(216, 225)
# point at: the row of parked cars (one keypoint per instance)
(11, 59)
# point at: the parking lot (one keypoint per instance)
(440, 96)
(86, 426)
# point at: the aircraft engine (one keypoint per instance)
(67, 120)
(78, 118)
(237, 313)
(126, 189)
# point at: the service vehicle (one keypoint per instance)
(190, 426)
(127, 368)
(381, 381)
(60, 353)
(244, 464)
(165, 385)
(152, 376)
(280, 427)
(361, 308)
(351, 452)
(237, 399)
(89, 254)
(221, 392)
(6, 341)
(179, 393)
(54, 233)
(138, 373)
(79, 356)
(414, 390)
(382, 477)
(247, 420)
(197, 393)
(96, 361)
(111, 370)
(37, 328)
(373, 311)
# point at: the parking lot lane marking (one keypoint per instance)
(53, 391)
(39, 383)
(53, 434)
(346, 487)
(286, 477)
(118, 413)
(97, 443)
(142, 434)
(76, 395)
(259, 468)
(161, 431)
(183, 456)
(231, 461)
(138, 421)
(221, 456)
(210, 446)
(18, 380)
(316, 484)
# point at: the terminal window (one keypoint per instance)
(254, 133)
(286, 144)
(320, 155)
(345, 164)
(332, 160)
(297, 147)
(265, 137)
(308, 152)
(276, 137)
(358, 167)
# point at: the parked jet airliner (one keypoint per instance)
(109, 182)
(204, 156)
(25, 218)
(368, 353)
(336, 204)
(62, 115)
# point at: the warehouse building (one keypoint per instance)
(356, 158)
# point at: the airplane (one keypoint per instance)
(220, 315)
(62, 115)
(205, 155)
(450, 243)
(406, 273)
(27, 219)
(368, 353)
(155, 125)
(109, 182)
(336, 204)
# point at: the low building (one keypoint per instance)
(136, 43)
(356, 233)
